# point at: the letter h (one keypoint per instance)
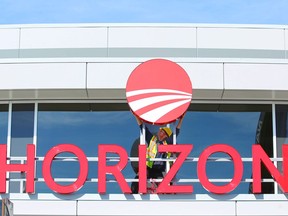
(28, 167)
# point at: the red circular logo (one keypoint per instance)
(159, 91)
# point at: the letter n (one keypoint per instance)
(259, 155)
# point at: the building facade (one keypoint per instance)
(66, 84)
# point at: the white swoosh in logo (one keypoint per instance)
(138, 104)
(145, 91)
(155, 114)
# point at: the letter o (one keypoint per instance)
(46, 169)
(238, 168)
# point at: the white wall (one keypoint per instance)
(107, 80)
(117, 204)
(94, 61)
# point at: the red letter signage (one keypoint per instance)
(114, 170)
(165, 186)
(238, 168)
(47, 168)
(142, 169)
(29, 168)
(259, 155)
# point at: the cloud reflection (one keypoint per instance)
(50, 119)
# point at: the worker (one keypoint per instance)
(156, 169)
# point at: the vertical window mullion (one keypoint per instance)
(35, 126)
(9, 140)
(274, 142)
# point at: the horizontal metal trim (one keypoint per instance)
(140, 197)
(142, 52)
(188, 180)
(152, 52)
(188, 159)
(241, 53)
(62, 52)
(9, 53)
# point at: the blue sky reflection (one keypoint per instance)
(202, 129)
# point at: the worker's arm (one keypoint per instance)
(148, 134)
(139, 121)
(180, 121)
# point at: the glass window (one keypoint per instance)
(88, 125)
(22, 129)
(3, 123)
(281, 131)
(281, 127)
(235, 125)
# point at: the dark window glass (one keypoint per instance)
(3, 123)
(281, 132)
(22, 128)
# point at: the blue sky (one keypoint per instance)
(144, 11)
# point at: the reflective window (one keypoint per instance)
(281, 127)
(88, 125)
(235, 125)
(281, 131)
(22, 129)
(3, 123)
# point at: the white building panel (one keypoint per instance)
(115, 76)
(9, 38)
(108, 80)
(45, 208)
(43, 80)
(262, 208)
(43, 76)
(157, 37)
(109, 75)
(240, 38)
(255, 81)
(206, 78)
(256, 76)
(89, 208)
(33, 38)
